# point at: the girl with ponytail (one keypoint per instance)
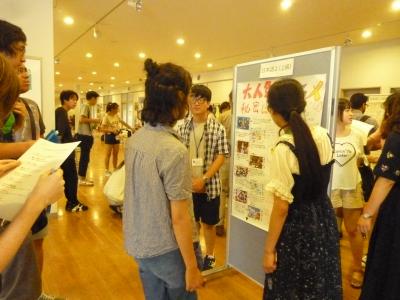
(301, 255)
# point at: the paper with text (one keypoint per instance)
(16, 186)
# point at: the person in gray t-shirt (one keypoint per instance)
(84, 135)
(158, 227)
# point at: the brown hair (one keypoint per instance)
(391, 119)
(9, 87)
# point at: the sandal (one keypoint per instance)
(357, 279)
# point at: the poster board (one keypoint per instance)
(34, 66)
(253, 133)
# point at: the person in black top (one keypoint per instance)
(68, 101)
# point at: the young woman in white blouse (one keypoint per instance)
(111, 126)
(347, 197)
(301, 254)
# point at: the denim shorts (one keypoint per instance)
(163, 277)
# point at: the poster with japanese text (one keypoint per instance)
(255, 135)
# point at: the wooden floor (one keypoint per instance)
(85, 257)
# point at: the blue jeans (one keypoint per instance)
(163, 277)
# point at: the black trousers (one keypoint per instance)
(85, 145)
(71, 180)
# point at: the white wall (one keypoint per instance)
(35, 17)
(371, 65)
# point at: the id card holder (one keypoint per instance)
(197, 162)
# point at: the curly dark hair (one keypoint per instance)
(391, 119)
(9, 87)
(10, 34)
(166, 90)
(286, 97)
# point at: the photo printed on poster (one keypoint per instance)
(255, 135)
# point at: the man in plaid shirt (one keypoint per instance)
(208, 147)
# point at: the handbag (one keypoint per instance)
(115, 186)
(368, 179)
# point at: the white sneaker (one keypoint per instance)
(107, 173)
(85, 182)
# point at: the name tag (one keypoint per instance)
(197, 162)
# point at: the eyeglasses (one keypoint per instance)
(198, 99)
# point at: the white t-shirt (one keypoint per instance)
(197, 147)
(347, 151)
(111, 122)
(283, 163)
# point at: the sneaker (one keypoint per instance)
(77, 208)
(364, 261)
(117, 209)
(209, 262)
(44, 296)
(85, 182)
(107, 173)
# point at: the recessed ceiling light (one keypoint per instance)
(142, 55)
(396, 5)
(79, 77)
(69, 20)
(209, 65)
(60, 85)
(94, 73)
(197, 55)
(58, 73)
(286, 4)
(116, 64)
(180, 41)
(89, 55)
(112, 85)
(112, 78)
(91, 83)
(366, 34)
(100, 87)
(127, 82)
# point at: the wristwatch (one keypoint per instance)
(366, 216)
(205, 178)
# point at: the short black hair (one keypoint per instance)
(200, 90)
(92, 94)
(9, 35)
(357, 100)
(66, 95)
(343, 104)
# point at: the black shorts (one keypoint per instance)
(205, 209)
(109, 139)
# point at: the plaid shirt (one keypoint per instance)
(215, 143)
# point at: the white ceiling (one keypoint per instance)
(225, 32)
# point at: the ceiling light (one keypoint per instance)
(79, 77)
(81, 92)
(100, 87)
(58, 73)
(286, 4)
(89, 55)
(56, 61)
(112, 85)
(366, 34)
(116, 64)
(127, 82)
(197, 55)
(209, 65)
(139, 5)
(96, 33)
(180, 41)
(91, 83)
(68, 20)
(60, 85)
(94, 73)
(396, 5)
(142, 55)
(112, 78)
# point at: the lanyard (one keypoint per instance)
(197, 145)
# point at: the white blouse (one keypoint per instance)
(283, 163)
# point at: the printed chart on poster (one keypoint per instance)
(255, 135)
